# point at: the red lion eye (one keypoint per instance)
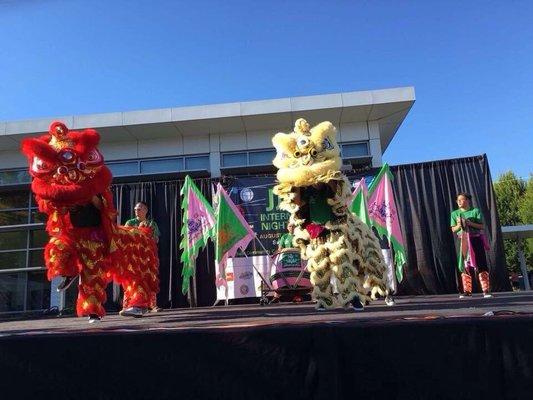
(93, 157)
(67, 156)
(39, 166)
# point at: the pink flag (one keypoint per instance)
(198, 226)
(200, 218)
(384, 215)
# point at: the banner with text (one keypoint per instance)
(254, 197)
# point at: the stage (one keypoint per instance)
(437, 347)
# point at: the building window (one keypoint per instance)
(353, 150)
(12, 288)
(159, 166)
(14, 177)
(23, 284)
(248, 158)
(12, 240)
(196, 163)
(234, 159)
(261, 157)
(124, 168)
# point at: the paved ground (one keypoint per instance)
(407, 309)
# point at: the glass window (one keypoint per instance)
(13, 217)
(124, 168)
(13, 259)
(36, 258)
(38, 291)
(14, 177)
(13, 240)
(234, 160)
(261, 157)
(37, 216)
(18, 199)
(12, 288)
(38, 238)
(201, 162)
(22, 290)
(71, 296)
(354, 150)
(165, 165)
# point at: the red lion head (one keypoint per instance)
(66, 166)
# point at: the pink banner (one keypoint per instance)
(199, 219)
(382, 208)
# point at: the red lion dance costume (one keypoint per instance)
(72, 186)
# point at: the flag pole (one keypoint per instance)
(269, 262)
(268, 258)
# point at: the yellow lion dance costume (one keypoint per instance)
(334, 241)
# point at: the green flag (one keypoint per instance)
(359, 206)
(232, 231)
(198, 226)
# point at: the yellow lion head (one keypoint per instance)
(307, 155)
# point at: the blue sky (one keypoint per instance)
(471, 63)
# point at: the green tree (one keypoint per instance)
(526, 206)
(526, 215)
(510, 191)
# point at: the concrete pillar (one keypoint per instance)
(57, 299)
(523, 266)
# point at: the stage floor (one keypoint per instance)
(407, 310)
(436, 347)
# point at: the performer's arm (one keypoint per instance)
(97, 202)
(155, 229)
(474, 224)
(477, 220)
(457, 227)
(298, 197)
(333, 187)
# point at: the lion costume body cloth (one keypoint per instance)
(313, 190)
(72, 186)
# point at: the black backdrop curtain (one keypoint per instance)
(425, 195)
(163, 199)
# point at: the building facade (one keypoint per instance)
(168, 143)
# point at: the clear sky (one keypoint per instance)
(471, 63)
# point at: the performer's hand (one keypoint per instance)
(97, 202)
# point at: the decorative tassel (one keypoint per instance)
(484, 280)
(467, 283)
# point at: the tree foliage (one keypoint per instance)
(526, 214)
(512, 195)
(526, 207)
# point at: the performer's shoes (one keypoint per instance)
(465, 295)
(320, 307)
(389, 300)
(66, 282)
(136, 312)
(154, 310)
(356, 304)
(487, 295)
(94, 318)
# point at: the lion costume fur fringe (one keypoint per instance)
(68, 175)
(348, 249)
